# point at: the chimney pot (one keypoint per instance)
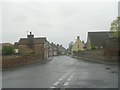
(30, 33)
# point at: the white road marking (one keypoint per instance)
(56, 83)
(72, 75)
(52, 87)
(66, 83)
(72, 69)
(60, 79)
(69, 79)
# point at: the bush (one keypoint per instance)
(93, 47)
(7, 50)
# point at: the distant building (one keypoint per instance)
(78, 45)
(97, 39)
(55, 49)
(68, 51)
(50, 50)
(61, 50)
(33, 45)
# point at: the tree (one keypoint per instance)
(70, 45)
(7, 50)
(115, 27)
(83, 42)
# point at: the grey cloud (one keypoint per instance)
(59, 22)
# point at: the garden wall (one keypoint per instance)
(97, 54)
(16, 60)
(111, 48)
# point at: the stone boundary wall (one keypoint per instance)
(14, 61)
(111, 47)
(94, 54)
(90, 54)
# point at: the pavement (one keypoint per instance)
(62, 72)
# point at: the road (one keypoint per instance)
(62, 72)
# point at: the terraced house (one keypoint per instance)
(33, 45)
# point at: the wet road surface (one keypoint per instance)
(62, 72)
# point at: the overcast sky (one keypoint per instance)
(60, 22)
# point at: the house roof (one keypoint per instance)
(23, 41)
(35, 40)
(53, 45)
(6, 44)
(39, 40)
(98, 38)
(60, 47)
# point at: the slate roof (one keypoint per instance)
(97, 38)
(39, 40)
(6, 44)
(35, 40)
(61, 48)
(53, 45)
(23, 41)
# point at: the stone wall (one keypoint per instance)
(38, 48)
(93, 54)
(97, 54)
(111, 48)
(16, 60)
(24, 49)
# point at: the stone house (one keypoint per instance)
(78, 45)
(68, 51)
(61, 50)
(96, 39)
(55, 49)
(31, 45)
(50, 50)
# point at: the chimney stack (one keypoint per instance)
(52, 43)
(30, 39)
(78, 37)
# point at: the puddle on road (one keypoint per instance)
(113, 72)
(107, 68)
